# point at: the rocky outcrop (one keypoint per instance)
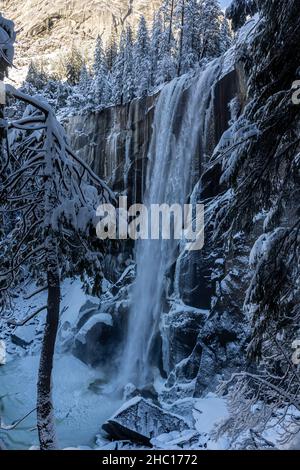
(193, 268)
(94, 338)
(139, 421)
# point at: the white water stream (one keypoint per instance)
(178, 132)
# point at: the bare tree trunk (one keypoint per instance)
(2, 131)
(2, 445)
(45, 414)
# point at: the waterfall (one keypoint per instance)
(178, 130)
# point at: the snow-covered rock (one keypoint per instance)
(24, 336)
(189, 439)
(2, 353)
(139, 420)
(100, 318)
(94, 340)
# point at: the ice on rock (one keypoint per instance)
(189, 439)
(263, 245)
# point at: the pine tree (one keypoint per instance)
(128, 72)
(85, 79)
(210, 29)
(188, 14)
(101, 84)
(167, 62)
(81, 97)
(111, 52)
(194, 10)
(36, 78)
(73, 66)
(117, 73)
(182, 32)
(168, 12)
(141, 60)
(155, 48)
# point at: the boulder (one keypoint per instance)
(139, 420)
(23, 336)
(94, 341)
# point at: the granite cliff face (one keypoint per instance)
(115, 143)
(47, 30)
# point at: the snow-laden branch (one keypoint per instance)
(28, 318)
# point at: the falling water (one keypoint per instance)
(179, 126)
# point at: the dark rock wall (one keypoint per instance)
(115, 143)
(195, 272)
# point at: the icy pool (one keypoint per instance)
(80, 399)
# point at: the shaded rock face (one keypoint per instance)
(193, 269)
(180, 332)
(115, 143)
(95, 339)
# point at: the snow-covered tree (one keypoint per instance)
(240, 10)
(53, 196)
(168, 13)
(129, 68)
(111, 52)
(142, 60)
(167, 56)
(225, 36)
(155, 48)
(261, 171)
(188, 15)
(73, 65)
(210, 28)
(36, 78)
(101, 88)
(81, 97)
(180, 12)
(117, 73)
